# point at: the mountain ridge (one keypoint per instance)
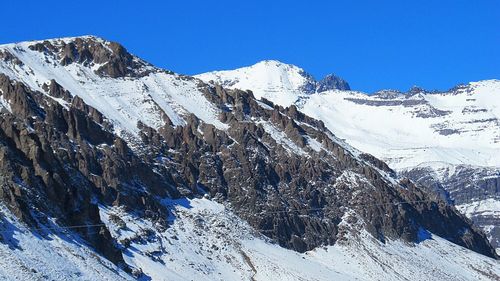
(418, 128)
(90, 136)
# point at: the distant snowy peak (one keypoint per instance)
(269, 79)
(405, 129)
(283, 83)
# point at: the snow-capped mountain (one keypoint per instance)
(122, 170)
(284, 84)
(123, 101)
(404, 129)
(439, 132)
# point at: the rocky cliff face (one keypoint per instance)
(67, 152)
(416, 133)
(332, 82)
(59, 163)
(474, 190)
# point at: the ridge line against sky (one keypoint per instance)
(372, 44)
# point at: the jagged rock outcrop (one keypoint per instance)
(413, 131)
(468, 188)
(280, 170)
(332, 82)
(329, 82)
(56, 160)
(111, 58)
(248, 168)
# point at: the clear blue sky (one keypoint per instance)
(372, 44)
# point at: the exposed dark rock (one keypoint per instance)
(464, 185)
(55, 90)
(332, 82)
(8, 57)
(377, 163)
(425, 109)
(329, 82)
(415, 90)
(387, 102)
(257, 175)
(114, 60)
(57, 162)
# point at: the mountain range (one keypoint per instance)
(448, 141)
(114, 169)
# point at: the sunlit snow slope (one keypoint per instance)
(51, 253)
(279, 82)
(208, 242)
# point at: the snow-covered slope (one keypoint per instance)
(51, 253)
(279, 82)
(65, 166)
(284, 84)
(457, 128)
(208, 242)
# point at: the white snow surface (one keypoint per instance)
(487, 207)
(49, 255)
(206, 241)
(4, 105)
(123, 101)
(276, 81)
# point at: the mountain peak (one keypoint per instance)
(60, 40)
(276, 65)
(271, 62)
(329, 82)
(332, 82)
(272, 79)
(131, 165)
(106, 58)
